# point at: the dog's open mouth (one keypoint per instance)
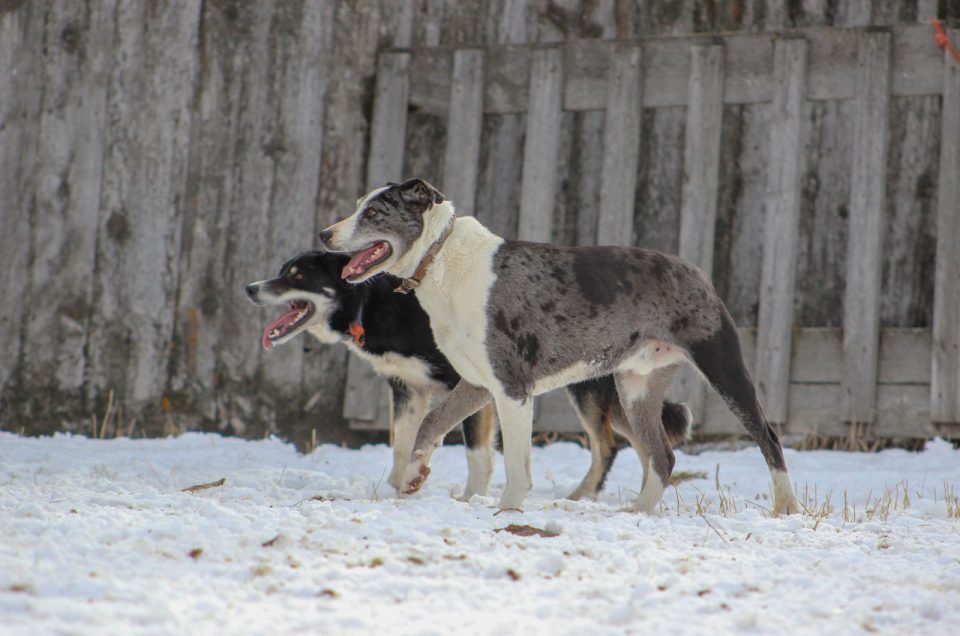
(299, 313)
(363, 260)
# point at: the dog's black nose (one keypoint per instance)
(325, 235)
(252, 289)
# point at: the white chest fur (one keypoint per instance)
(454, 294)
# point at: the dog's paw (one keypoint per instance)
(416, 473)
(512, 500)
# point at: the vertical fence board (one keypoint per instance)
(207, 214)
(701, 168)
(239, 361)
(540, 146)
(785, 164)
(21, 90)
(297, 82)
(387, 133)
(150, 103)
(861, 307)
(945, 376)
(67, 200)
(462, 157)
(621, 148)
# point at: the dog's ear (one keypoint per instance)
(420, 192)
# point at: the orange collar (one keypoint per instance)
(356, 329)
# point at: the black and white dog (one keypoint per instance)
(392, 332)
(517, 319)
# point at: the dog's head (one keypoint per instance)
(310, 286)
(386, 232)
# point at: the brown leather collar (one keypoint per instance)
(409, 284)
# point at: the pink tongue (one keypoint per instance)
(353, 267)
(285, 319)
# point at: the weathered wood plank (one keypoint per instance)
(501, 156)
(238, 343)
(149, 105)
(462, 157)
(909, 243)
(858, 14)
(926, 9)
(945, 385)
(821, 261)
(576, 208)
(22, 34)
(817, 356)
(901, 413)
(365, 393)
(785, 165)
(389, 122)
(917, 69)
(296, 86)
(540, 146)
(207, 212)
(741, 210)
(861, 317)
(660, 179)
(621, 147)
(67, 200)
(701, 167)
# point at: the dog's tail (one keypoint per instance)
(676, 419)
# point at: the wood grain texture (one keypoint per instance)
(462, 156)
(621, 144)
(149, 102)
(540, 146)
(701, 168)
(21, 95)
(785, 167)
(832, 70)
(945, 385)
(861, 316)
(70, 150)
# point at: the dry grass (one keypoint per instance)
(818, 506)
(858, 439)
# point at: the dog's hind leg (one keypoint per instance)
(594, 402)
(642, 398)
(409, 407)
(478, 439)
(516, 427)
(465, 399)
(720, 360)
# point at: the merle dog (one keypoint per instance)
(392, 332)
(516, 319)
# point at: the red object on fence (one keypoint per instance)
(940, 37)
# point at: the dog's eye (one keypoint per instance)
(298, 276)
(370, 213)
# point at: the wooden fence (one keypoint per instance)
(889, 382)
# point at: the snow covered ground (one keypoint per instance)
(98, 537)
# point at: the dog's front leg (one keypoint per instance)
(409, 407)
(516, 425)
(465, 399)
